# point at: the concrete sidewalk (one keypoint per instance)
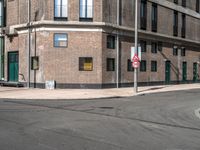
(24, 93)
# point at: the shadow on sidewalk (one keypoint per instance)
(151, 89)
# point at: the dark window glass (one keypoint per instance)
(60, 9)
(60, 40)
(197, 6)
(143, 45)
(154, 66)
(183, 26)
(86, 10)
(2, 14)
(143, 14)
(175, 50)
(110, 64)
(85, 64)
(129, 65)
(184, 3)
(176, 1)
(183, 51)
(160, 45)
(111, 42)
(143, 65)
(154, 47)
(175, 26)
(154, 17)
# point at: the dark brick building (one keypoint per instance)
(87, 43)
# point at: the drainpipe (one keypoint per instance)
(29, 43)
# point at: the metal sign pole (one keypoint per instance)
(136, 45)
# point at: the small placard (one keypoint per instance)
(50, 84)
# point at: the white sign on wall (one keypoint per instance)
(133, 52)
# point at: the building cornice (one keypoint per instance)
(92, 26)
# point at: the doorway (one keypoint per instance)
(167, 72)
(13, 66)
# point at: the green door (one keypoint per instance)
(13, 66)
(195, 74)
(184, 73)
(167, 71)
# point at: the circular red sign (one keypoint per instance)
(135, 64)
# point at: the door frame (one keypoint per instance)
(8, 63)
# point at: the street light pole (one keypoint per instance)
(136, 45)
(29, 43)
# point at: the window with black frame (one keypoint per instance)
(175, 50)
(143, 45)
(111, 42)
(143, 14)
(2, 14)
(175, 26)
(85, 64)
(153, 47)
(143, 66)
(110, 64)
(129, 66)
(61, 10)
(153, 66)
(154, 17)
(86, 10)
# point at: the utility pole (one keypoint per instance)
(136, 45)
(29, 43)
(117, 45)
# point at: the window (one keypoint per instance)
(175, 50)
(2, 54)
(60, 40)
(2, 14)
(34, 63)
(183, 51)
(154, 17)
(176, 1)
(111, 41)
(154, 47)
(86, 10)
(143, 14)
(160, 45)
(197, 6)
(184, 3)
(129, 65)
(110, 64)
(143, 65)
(85, 64)
(60, 9)
(143, 45)
(175, 27)
(154, 66)
(183, 26)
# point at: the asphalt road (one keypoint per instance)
(164, 121)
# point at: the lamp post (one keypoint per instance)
(136, 45)
(29, 43)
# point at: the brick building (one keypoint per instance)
(86, 43)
